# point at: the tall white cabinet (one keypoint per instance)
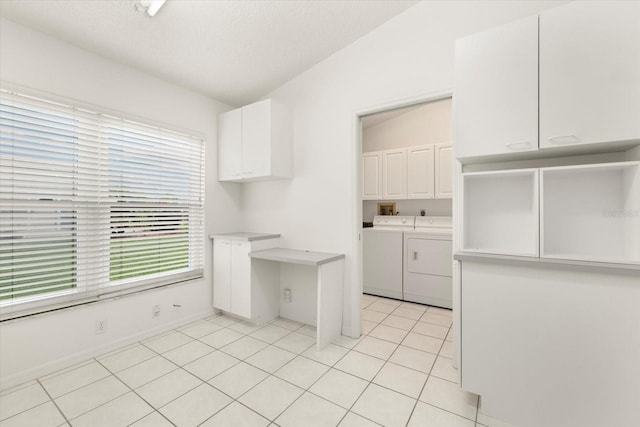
(549, 237)
(255, 143)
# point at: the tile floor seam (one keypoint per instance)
(269, 374)
(54, 402)
(100, 405)
(424, 385)
(154, 409)
(66, 370)
(132, 390)
(75, 389)
(226, 344)
(32, 408)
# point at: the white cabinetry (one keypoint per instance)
(420, 173)
(589, 73)
(444, 171)
(496, 99)
(586, 91)
(587, 212)
(394, 174)
(241, 286)
(230, 145)
(417, 172)
(537, 326)
(591, 212)
(500, 212)
(372, 176)
(255, 143)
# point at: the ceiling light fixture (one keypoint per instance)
(150, 7)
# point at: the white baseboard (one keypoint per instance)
(18, 378)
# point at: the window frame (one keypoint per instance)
(82, 294)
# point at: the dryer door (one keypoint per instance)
(429, 256)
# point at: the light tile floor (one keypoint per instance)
(223, 372)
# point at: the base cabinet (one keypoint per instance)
(242, 286)
(551, 345)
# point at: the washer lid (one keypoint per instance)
(389, 221)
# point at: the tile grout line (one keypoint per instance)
(269, 344)
(136, 393)
(430, 371)
(425, 383)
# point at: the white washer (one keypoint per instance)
(428, 262)
(382, 255)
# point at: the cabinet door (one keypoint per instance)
(241, 278)
(590, 73)
(256, 139)
(229, 145)
(394, 174)
(496, 90)
(444, 171)
(222, 274)
(372, 176)
(420, 172)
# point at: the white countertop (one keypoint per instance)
(244, 235)
(296, 256)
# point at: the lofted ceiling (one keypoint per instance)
(233, 51)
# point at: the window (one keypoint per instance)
(93, 205)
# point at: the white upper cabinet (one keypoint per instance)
(255, 143)
(590, 73)
(229, 145)
(394, 174)
(256, 139)
(420, 172)
(496, 90)
(444, 171)
(372, 176)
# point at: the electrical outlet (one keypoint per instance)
(287, 295)
(101, 326)
(155, 311)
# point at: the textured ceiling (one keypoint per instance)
(233, 51)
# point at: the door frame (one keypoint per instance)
(356, 188)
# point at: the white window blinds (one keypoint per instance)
(93, 205)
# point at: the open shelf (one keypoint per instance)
(501, 212)
(591, 212)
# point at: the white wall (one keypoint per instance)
(411, 55)
(432, 207)
(34, 346)
(428, 123)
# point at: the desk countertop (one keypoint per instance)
(245, 236)
(296, 256)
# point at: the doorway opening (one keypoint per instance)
(397, 149)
